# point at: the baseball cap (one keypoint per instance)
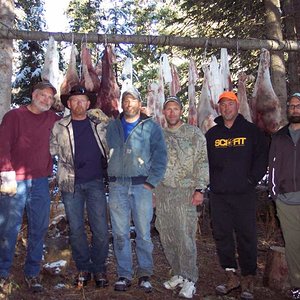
(133, 92)
(228, 95)
(173, 99)
(44, 85)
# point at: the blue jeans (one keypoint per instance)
(125, 201)
(32, 194)
(87, 257)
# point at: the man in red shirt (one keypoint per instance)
(25, 164)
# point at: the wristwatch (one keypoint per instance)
(202, 191)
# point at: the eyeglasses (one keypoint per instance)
(292, 107)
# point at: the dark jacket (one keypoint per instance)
(237, 156)
(284, 164)
(143, 155)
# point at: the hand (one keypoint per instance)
(148, 187)
(8, 183)
(197, 198)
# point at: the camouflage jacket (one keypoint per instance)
(187, 158)
(62, 145)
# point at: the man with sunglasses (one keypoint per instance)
(25, 164)
(79, 143)
(284, 185)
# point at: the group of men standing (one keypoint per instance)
(139, 159)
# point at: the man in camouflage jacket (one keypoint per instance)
(178, 195)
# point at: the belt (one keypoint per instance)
(134, 179)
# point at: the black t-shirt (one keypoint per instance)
(88, 156)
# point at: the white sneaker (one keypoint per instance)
(188, 289)
(173, 282)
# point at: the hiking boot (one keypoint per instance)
(100, 280)
(247, 283)
(173, 282)
(144, 283)
(231, 284)
(188, 289)
(34, 284)
(295, 293)
(122, 284)
(82, 278)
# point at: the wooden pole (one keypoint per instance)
(162, 40)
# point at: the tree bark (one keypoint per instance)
(276, 273)
(277, 66)
(6, 56)
(290, 29)
(186, 42)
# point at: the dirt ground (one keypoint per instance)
(59, 286)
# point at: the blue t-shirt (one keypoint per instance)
(127, 127)
(88, 156)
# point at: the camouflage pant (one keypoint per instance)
(176, 221)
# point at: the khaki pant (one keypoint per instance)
(176, 221)
(289, 216)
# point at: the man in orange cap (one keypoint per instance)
(238, 157)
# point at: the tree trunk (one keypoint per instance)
(290, 29)
(273, 29)
(276, 270)
(6, 57)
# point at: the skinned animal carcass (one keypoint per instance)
(89, 79)
(51, 72)
(193, 76)
(71, 78)
(109, 92)
(244, 108)
(206, 106)
(265, 105)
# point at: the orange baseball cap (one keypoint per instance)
(228, 95)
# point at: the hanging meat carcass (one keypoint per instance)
(193, 76)
(206, 106)
(90, 79)
(242, 95)
(51, 72)
(109, 93)
(175, 83)
(265, 105)
(126, 77)
(71, 78)
(152, 95)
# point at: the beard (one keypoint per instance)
(293, 119)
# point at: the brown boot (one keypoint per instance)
(247, 283)
(232, 283)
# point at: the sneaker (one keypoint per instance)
(295, 293)
(100, 280)
(34, 284)
(173, 282)
(188, 289)
(122, 284)
(247, 287)
(144, 283)
(82, 278)
(231, 284)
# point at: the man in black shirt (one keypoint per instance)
(80, 145)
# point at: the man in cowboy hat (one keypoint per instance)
(80, 145)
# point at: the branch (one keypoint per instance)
(162, 40)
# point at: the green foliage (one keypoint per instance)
(31, 53)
